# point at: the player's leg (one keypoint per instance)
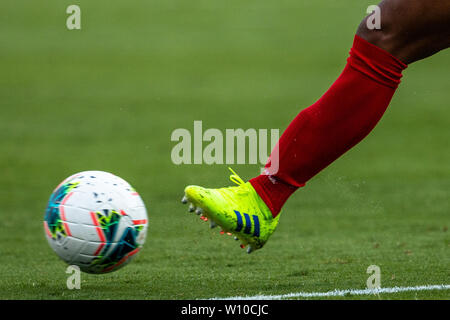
(340, 119)
(350, 109)
(410, 29)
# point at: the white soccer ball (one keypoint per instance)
(95, 220)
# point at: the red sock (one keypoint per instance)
(344, 115)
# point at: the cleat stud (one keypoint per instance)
(212, 224)
(228, 233)
(191, 208)
(250, 249)
(222, 232)
(184, 200)
(199, 211)
(236, 238)
(242, 246)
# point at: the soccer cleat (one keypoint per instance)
(238, 210)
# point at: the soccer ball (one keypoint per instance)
(95, 220)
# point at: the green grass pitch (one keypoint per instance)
(108, 96)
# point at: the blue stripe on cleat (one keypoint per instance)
(256, 221)
(248, 224)
(239, 221)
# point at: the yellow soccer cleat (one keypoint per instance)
(238, 210)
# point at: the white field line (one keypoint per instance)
(338, 293)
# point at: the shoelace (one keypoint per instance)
(238, 180)
(235, 178)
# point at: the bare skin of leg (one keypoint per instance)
(411, 30)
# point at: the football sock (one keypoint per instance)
(340, 119)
